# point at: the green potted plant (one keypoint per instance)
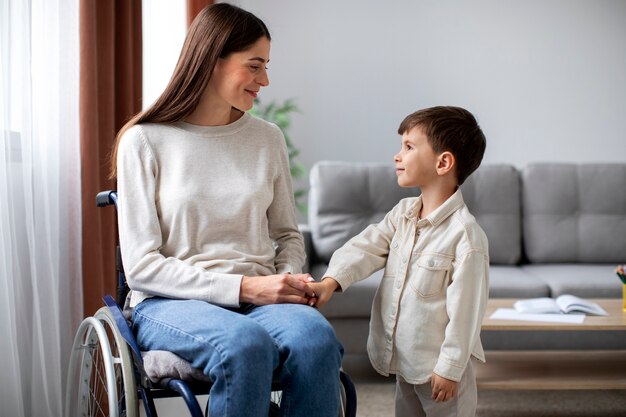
(280, 114)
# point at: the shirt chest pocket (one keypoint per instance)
(430, 274)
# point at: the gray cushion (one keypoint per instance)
(583, 280)
(493, 194)
(356, 301)
(308, 246)
(513, 282)
(160, 364)
(574, 213)
(344, 198)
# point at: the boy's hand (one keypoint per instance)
(443, 389)
(324, 290)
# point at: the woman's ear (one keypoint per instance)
(446, 162)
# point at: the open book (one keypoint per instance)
(562, 304)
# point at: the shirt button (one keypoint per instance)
(404, 259)
(398, 283)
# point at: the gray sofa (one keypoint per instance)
(553, 229)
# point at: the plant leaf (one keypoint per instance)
(280, 115)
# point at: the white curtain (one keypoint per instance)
(40, 243)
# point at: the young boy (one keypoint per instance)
(428, 309)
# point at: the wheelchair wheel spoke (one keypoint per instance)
(100, 376)
(100, 394)
(94, 408)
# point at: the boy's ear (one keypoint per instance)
(446, 162)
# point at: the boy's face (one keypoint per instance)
(416, 163)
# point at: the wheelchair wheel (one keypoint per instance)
(101, 379)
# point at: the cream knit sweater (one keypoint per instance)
(199, 207)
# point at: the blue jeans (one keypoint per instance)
(243, 349)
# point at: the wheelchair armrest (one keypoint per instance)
(106, 198)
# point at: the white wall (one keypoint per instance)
(546, 78)
(164, 26)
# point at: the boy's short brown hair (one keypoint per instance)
(451, 129)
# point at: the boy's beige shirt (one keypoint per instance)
(429, 307)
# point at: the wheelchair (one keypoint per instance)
(106, 375)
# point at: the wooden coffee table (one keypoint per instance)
(543, 369)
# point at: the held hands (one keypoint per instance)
(443, 389)
(324, 290)
(277, 289)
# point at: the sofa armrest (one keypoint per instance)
(308, 246)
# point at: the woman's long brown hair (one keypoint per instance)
(217, 31)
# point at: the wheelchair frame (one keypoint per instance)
(106, 375)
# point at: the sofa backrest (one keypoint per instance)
(344, 198)
(574, 212)
(493, 195)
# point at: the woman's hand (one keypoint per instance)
(443, 389)
(324, 290)
(277, 289)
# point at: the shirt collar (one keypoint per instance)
(435, 218)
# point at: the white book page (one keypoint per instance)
(537, 305)
(569, 303)
(512, 314)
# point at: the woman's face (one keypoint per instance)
(238, 78)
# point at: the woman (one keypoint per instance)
(208, 233)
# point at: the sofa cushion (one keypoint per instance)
(493, 195)
(344, 198)
(356, 302)
(513, 282)
(574, 213)
(583, 280)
